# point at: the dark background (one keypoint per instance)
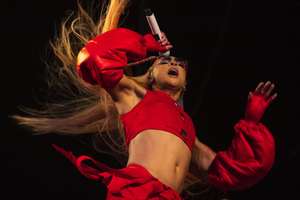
(231, 45)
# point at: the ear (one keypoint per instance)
(184, 85)
(150, 76)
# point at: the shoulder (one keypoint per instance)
(128, 96)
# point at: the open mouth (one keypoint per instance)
(173, 72)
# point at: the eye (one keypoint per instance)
(182, 64)
(164, 61)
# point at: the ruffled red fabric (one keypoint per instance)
(133, 182)
(111, 51)
(248, 159)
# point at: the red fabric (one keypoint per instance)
(111, 51)
(133, 182)
(157, 110)
(248, 159)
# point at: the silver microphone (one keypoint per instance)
(154, 28)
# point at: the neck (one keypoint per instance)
(174, 94)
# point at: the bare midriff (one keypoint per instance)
(163, 154)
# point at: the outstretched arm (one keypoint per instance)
(202, 156)
(251, 153)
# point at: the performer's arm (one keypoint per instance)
(251, 153)
(202, 156)
(103, 58)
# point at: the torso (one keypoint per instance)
(165, 155)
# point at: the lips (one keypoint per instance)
(173, 71)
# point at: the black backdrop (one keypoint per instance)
(231, 45)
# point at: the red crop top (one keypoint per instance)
(157, 110)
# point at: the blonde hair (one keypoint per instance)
(83, 108)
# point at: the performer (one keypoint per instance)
(160, 138)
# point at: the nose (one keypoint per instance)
(173, 63)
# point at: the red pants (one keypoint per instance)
(133, 182)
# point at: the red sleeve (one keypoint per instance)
(248, 159)
(95, 172)
(111, 51)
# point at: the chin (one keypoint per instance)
(173, 86)
(175, 83)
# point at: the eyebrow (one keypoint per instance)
(168, 58)
(183, 61)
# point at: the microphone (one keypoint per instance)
(154, 27)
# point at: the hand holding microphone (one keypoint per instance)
(165, 42)
(160, 36)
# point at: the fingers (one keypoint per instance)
(163, 35)
(164, 41)
(265, 87)
(272, 97)
(250, 95)
(269, 91)
(258, 88)
(266, 90)
(168, 47)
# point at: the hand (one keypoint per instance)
(165, 42)
(154, 45)
(259, 100)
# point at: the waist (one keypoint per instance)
(164, 155)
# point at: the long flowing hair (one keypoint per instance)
(83, 108)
